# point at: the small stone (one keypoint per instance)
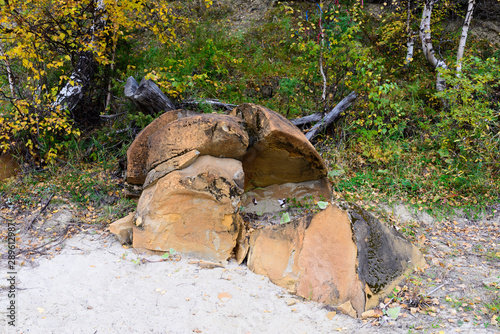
(330, 315)
(369, 314)
(122, 229)
(291, 301)
(347, 309)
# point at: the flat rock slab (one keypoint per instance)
(122, 229)
(193, 210)
(384, 256)
(329, 258)
(138, 152)
(277, 197)
(279, 151)
(211, 134)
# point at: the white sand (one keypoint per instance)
(94, 287)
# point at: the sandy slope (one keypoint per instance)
(94, 287)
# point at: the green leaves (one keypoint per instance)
(285, 218)
(322, 205)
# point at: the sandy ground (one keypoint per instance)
(94, 285)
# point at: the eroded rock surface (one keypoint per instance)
(193, 210)
(275, 197)
(211, 134)
(334, 257)
(138, 152)
(279, 151)
(384, 255)
(250, 186)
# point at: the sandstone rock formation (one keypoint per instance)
(123, 228)
(193, 210)
(333, 257)
(280, 153)
(138, 152)
(250, 186)
(217, 135)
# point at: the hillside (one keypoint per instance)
(426, 161)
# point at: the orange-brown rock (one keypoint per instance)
(280, 152)
(193, 210)
(211, 134)
(168, 166)
(8, 166)
(317, 257)
(270, 199)
(314, 257)
(122, 229)
(137, 153)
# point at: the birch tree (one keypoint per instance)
(54, 54)
(463, 36)
(428, 48)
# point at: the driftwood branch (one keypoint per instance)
(308, 119)
(147, 96)
(331, 116)
(112, 116)
(39, 212)
(214, 103)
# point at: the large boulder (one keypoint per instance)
(137, 153)
(210, 134)
(193, 210)
(250, 186)
(279, 151)
(334, 257)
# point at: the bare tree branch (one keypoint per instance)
(331, 116)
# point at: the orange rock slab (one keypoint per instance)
(279, 151)
(221, 136)
(313, 257)
(193, 210)
(138, 152)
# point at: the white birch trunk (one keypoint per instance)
(463, 37)
(411, 38)
(10, 76)
(427, 48)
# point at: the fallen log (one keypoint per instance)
(307, 119)
(331, 116)
(147, 96)
(214, 103)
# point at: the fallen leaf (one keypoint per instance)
(224, 296)
(393, 312)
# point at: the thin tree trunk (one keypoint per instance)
(463, 37)
(69, 96)
(425, 36)
(10, 76)
(81, 78)
(323, 95)
(411, 38)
